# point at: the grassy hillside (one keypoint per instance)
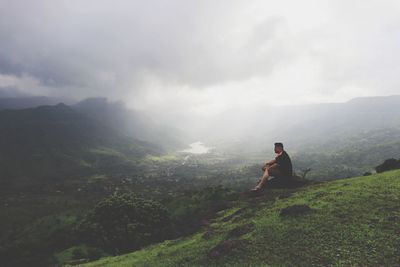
(340, 223)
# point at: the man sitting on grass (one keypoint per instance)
(280, 167)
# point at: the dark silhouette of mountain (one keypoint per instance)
(56, 142)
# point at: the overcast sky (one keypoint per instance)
(203, 57)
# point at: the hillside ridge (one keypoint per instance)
(353, 221)
(50, 143)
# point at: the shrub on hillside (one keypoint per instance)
(191, 210)
(387, 165)
(125, 222)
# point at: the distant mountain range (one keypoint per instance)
(57, 142)
(116, 115)
(303, 127)
(98, 136)
(132, 122)
(252, 129)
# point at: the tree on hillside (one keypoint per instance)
(125, 222)
(387, 165)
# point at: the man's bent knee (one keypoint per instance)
(275, 172)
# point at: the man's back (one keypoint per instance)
(284, 163)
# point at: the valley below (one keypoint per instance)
(78, 184)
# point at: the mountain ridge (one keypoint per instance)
(52, 142)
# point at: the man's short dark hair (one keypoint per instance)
(279, 144)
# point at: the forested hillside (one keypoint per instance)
(44, 146)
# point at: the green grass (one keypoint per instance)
(353, 222)
(161, 159)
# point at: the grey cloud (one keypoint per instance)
(10, 91)
(66, 44)
(114, 48)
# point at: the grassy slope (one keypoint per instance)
(355, 222)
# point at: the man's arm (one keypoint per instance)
(268, 164)
(273, 165)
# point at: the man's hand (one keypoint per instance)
(266, 165)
